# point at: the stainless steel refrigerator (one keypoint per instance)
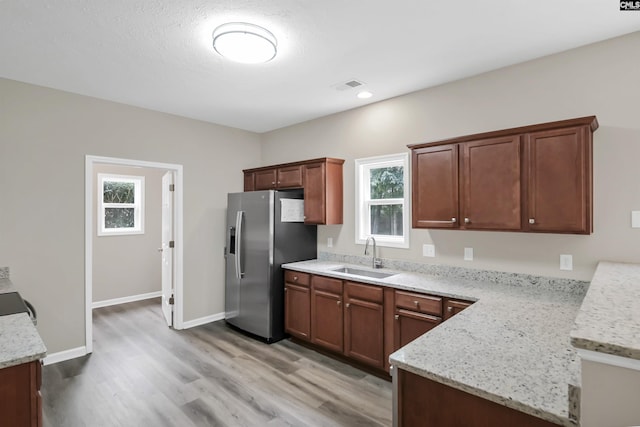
(265, 229)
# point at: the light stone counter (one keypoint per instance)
(511, 346)
(19, 341)
(609, 319)
(19, 338)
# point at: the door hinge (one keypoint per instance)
(172, 187)
(171, 300)
(172, 244)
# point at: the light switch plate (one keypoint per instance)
(329, 242)
(635, 219)
(566, 262)
(468, 254)
(429, 250)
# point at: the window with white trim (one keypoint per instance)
(382, 200)
(120, 204)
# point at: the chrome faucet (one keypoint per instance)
(375, 262)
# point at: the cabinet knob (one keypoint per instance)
(467, 220)
(278, 182)
(338, 302)
(285, 289)
(453, 220)
(532, 221)
(417, 303)
(449, 309)
(295, 278)
(347, 305)
(397, 317)
(273, 183)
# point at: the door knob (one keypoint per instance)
(347, 305)
(467, 220)
(532, 221)
(453, 220)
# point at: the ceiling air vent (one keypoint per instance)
(348, 85)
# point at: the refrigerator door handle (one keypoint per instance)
(239, 272)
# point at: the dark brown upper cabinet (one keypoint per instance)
(534, 178)
(321, 180)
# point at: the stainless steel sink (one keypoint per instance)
(364, 273)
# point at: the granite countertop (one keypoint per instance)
(510, 347)
(19, 338)
(609, 320)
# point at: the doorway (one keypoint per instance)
(172, 254)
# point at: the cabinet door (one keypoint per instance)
(249, 184)
(314, 193)
(490, 187)
(290, 177)
(434, 187)
(326, 313)
(559, 171)
(297, 311)
(453, 307)
(364, 323)
(265, 179)
(19, 395)
(410, 325)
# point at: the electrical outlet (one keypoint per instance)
(329, 242)
(429, 250)
(635, 219)
(468, 254)
(566, 262)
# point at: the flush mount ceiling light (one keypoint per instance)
(246, 43)
(364, 94)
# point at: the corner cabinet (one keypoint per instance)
(534, 179)
(321, 180)
(360, 322)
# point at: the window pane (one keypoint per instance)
(386, 220)
(119, 217)
(387, 183)
(119, 192)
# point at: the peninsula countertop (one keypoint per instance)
(511, 346)
(19, 338)
(609, 320)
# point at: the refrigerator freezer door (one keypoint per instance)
(254, 257)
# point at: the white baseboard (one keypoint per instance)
(202, 320)
(61, 356)
(124, 300)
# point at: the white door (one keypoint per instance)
(167, 247)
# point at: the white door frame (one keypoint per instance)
(90, 162)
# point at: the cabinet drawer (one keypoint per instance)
(363, 292)
(419, 302)
(327, 284)
(302, 279)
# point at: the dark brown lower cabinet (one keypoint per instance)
(411, 324)
(426, 403)
(297, 303)
(20, 399)
(364, 324)
(327, 325)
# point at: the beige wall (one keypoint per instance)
(129, 265)
(610, 396)
(44, 137)
(595, 80)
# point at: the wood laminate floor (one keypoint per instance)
(142, 373)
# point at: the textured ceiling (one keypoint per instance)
(157, 54)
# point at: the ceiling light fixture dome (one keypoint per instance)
(243, 42)
(364, 94)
